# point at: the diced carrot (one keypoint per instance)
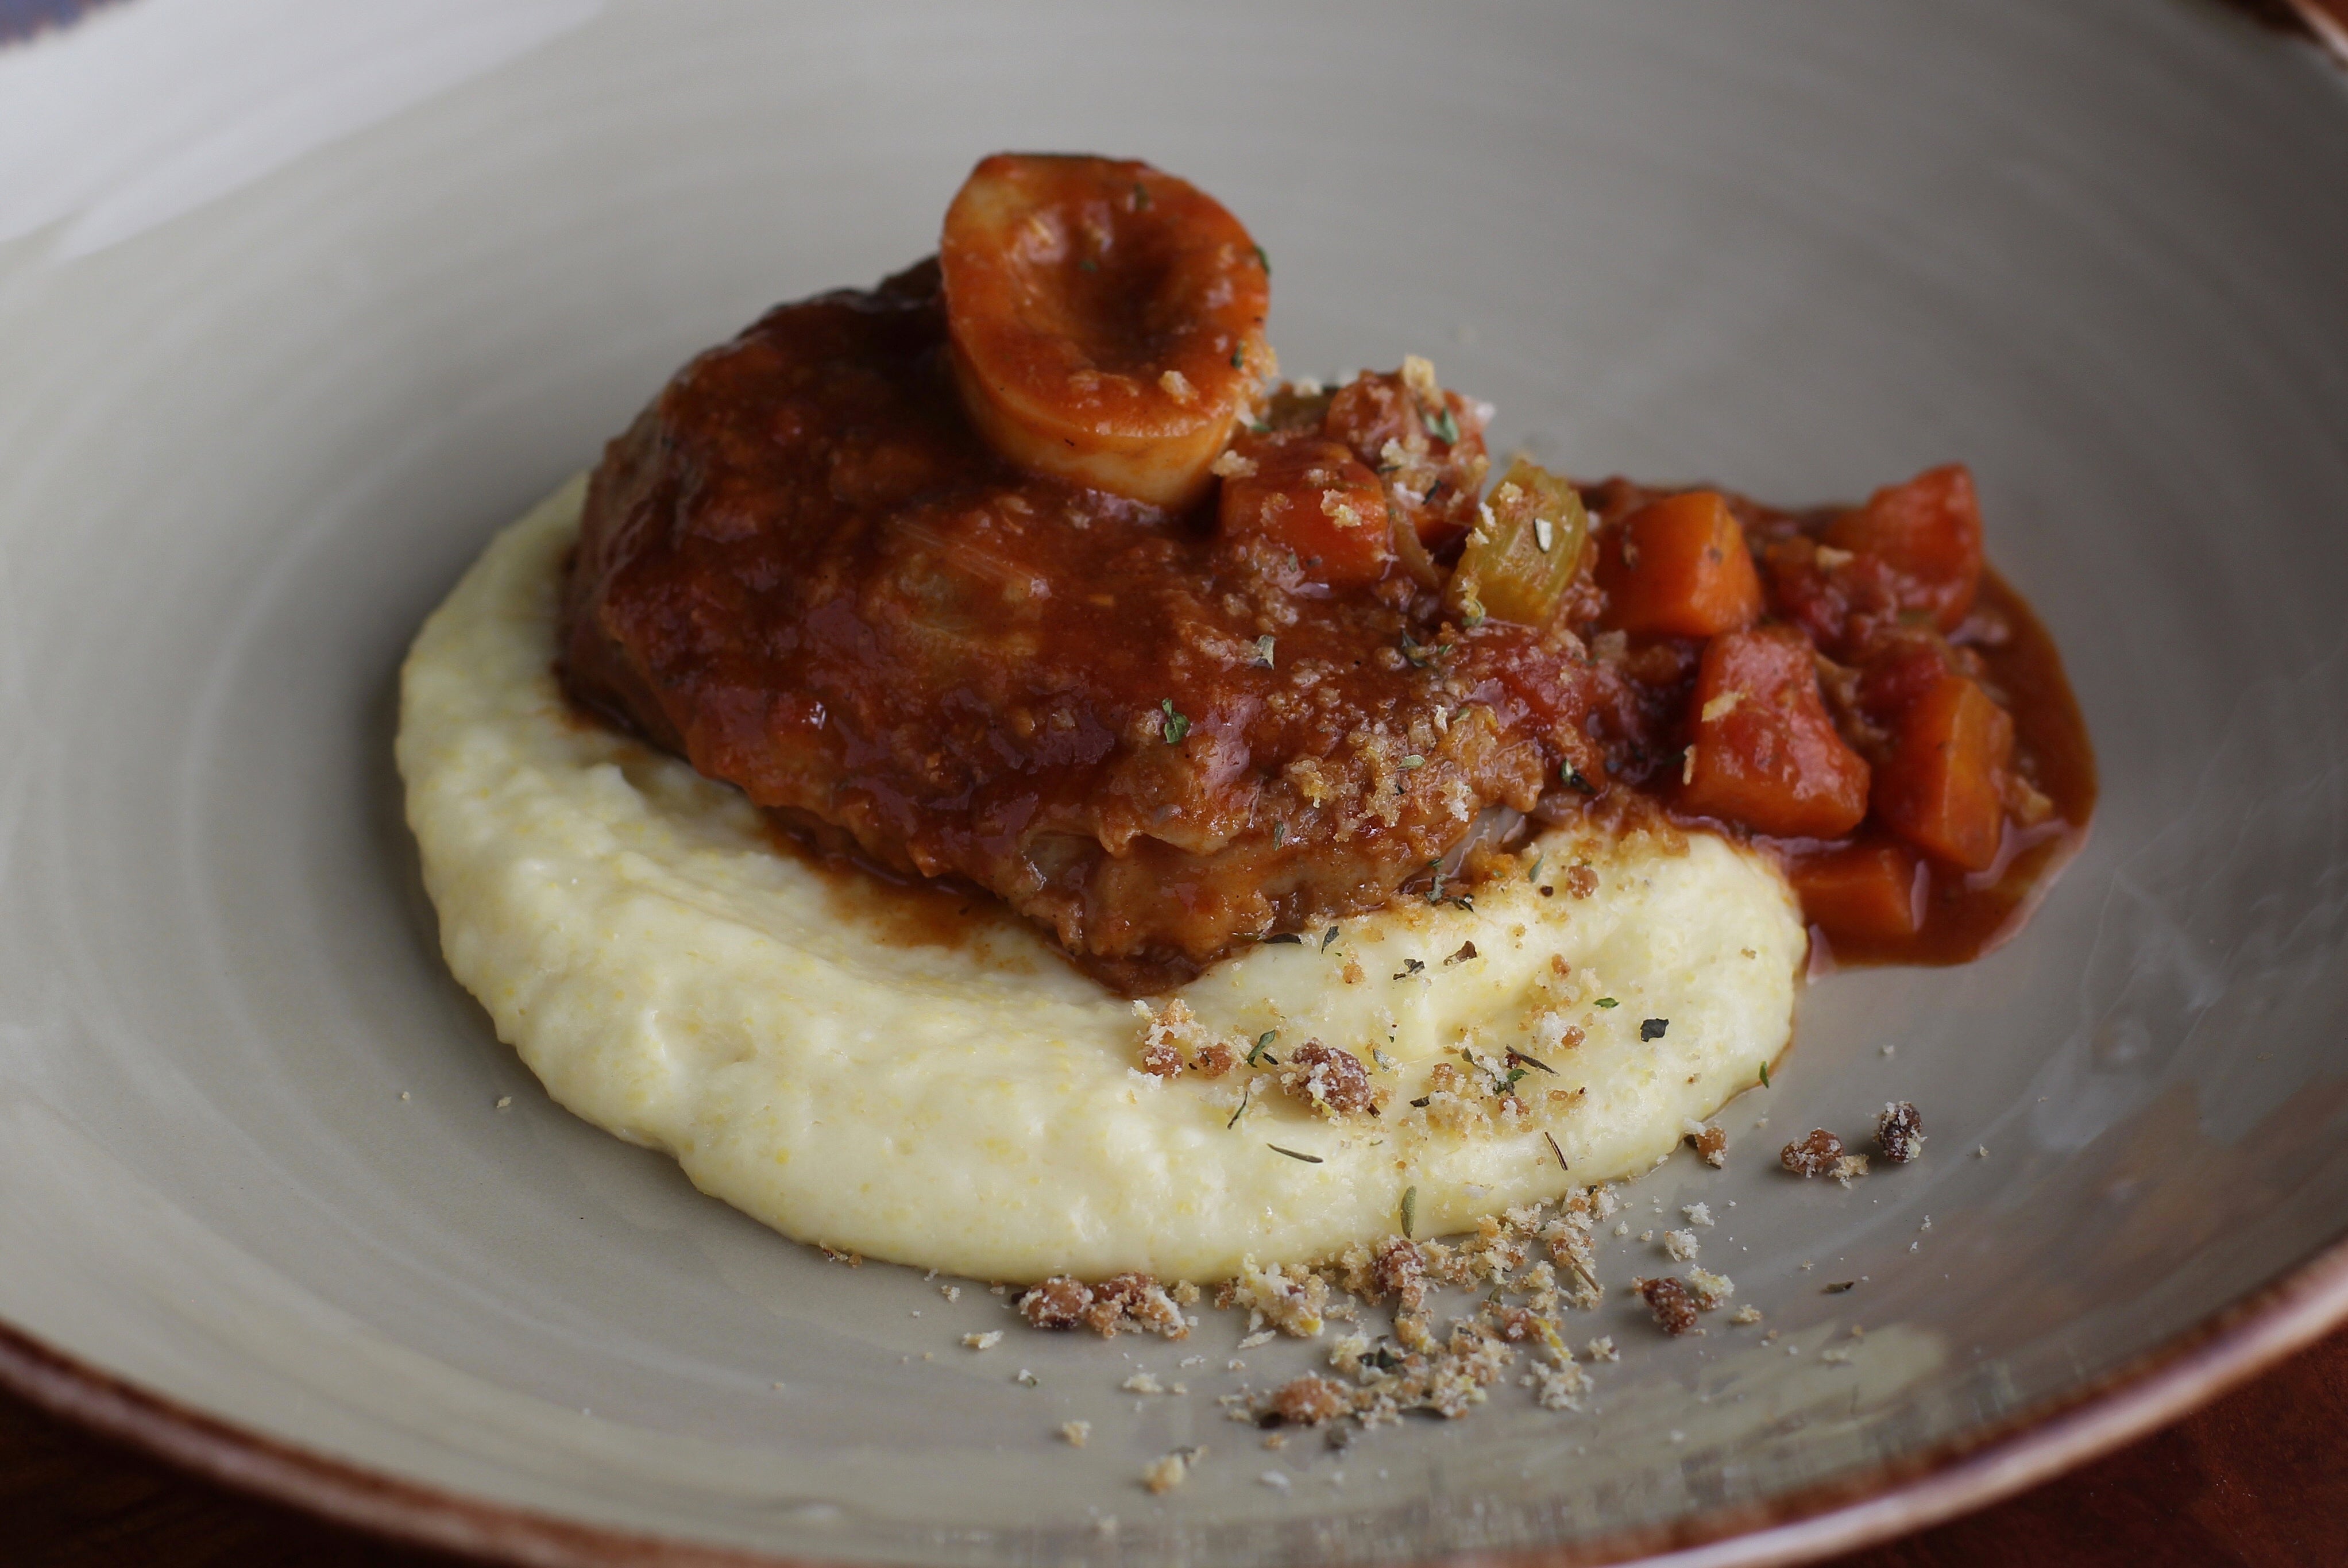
(1765, 752)
(1319, 500)
(1866, 892)
(1929, 533)
(1678, 567)
(1942, 787)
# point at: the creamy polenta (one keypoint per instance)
(980, 1107)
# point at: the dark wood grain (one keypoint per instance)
(69, 1497)
(2260, 1478)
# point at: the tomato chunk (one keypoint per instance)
(1319, 500)
(1679, 567)
(1942, 787)
(1867, 892)
(1927, 532)
(1764, 753)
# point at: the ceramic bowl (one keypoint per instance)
(299, 303)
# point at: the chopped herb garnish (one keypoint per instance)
(1553, 1148)
(1293, 1154)
(1175, 727)
(1575, 781)
(1140, 197)
(1532, 1062)
(1607, 1002)
(1652, 1028)
(1420, 654)
(1534, 875)
(1245, 1090)
(1384, 1061)
(1278, 834)
(1410, 1210)
(1423, 1101)
(1414, 761)
(1257, 1050)
(1435, 891)
(1410, 966)
(1764, 1074)
(1264, 651)
(1263, 261)
(1327, 937)
(1509, 1082)
(1288, 938)
(1443, 427)
(1239, 357)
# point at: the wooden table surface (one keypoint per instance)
(2260, 1479)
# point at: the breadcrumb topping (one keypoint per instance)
(1330, 1080)
(1531, 1264)
(1122, 1302)
(1291, 1298)
(1709, 1291)
(1163, 1474)
(1814, 1155)
(1669, 1300)
(1900, 1132)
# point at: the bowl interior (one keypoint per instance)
(292, 326)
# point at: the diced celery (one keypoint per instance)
(1523, 556)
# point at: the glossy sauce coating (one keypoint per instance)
(1105, 321)
(1009, 571)
(1944, 912)
(805, 571)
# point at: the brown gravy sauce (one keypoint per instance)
(1968, 914)
(1965, 915)
(901, 911)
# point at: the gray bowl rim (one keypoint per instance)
(1859, 1508)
